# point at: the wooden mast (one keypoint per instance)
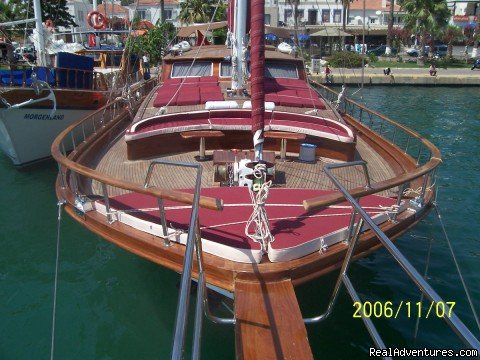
(269, 322)
(258, 74)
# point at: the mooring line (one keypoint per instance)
(470, 302)
(54, 312)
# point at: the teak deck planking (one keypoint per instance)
(269, 322)
(291, 173)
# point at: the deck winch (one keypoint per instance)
(239, 172)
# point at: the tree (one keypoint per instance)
(6, 13)
(388, 50)
(450, 34)
(51, 10)
(346, 11)
(425, 17)
(154, 42)
(400, 36)
(201, 11)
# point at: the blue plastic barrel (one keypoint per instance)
(307, 152)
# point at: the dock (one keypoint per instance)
(403, 76)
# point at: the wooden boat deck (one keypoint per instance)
(291, 173)
(269, 322)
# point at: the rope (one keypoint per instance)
(409, 191)
(470, 302)
(427, 266)
(55, 284)
(259, 195)
(379, 208)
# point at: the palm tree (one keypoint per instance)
(346, 11)
(199, 11)
(425, 17)
(450, 34)
(476, 37)
(389, 46)
(294, 4)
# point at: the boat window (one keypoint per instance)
(199, 68)
(281, 70)
(225, 68)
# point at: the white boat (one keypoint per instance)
(37, 102)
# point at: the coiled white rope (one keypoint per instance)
(259, 219)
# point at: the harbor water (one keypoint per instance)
(113, 305)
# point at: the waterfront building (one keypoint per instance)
(150, 10)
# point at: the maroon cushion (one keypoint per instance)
(163, 99)
(173, 81)
(211, 96)
(230, 114)
(272, 97)
(189, 96)
(231, 121)
(192, 80)
(288, 92)
(290, 101)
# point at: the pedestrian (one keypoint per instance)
(146, 66)
(433, 70)
(476, 64)
(387, 71)
(328, 74)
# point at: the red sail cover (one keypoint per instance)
(257, 64)
(230, 15)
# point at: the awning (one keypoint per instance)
(281, 32)
(186, 31)
(331, 33)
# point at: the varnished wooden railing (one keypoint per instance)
(425, 156)
(109, 115)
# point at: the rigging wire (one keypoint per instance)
(470, 302)
(55, 284)
(194, 58)
(425, 274)
(342, 71)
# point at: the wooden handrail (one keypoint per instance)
(336, 197)
(174, 195)
(433, 149)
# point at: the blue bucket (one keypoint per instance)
(307, 152)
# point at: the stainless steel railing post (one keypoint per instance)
(452, 320)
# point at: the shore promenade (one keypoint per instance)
(403, 76)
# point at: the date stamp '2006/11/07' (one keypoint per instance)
(389, 309)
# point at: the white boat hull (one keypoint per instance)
(26, 134)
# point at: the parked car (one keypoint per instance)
(380, 50)
(413, 52)
(438, 51)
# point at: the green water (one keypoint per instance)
(113, 305)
